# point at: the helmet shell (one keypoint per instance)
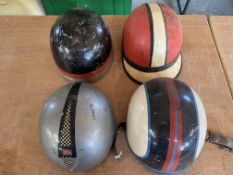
(76, 127)
(81, 44)
(152, 39)
(166, 125)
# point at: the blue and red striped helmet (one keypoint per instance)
(166, 125)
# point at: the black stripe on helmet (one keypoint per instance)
(190, 128)
(149, 13)
(159, 123)
(66, 136)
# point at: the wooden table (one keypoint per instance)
(222, 29)
(28, 76)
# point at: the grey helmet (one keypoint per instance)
(77, 127)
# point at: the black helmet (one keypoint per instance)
(81, 44)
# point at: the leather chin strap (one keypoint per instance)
(221, 141)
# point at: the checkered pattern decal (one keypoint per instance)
(66, 145)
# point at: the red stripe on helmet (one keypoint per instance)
(172, 128)
(177, 156)
(93, 73)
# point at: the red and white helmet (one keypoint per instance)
(152, 39)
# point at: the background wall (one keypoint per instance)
(206, 7)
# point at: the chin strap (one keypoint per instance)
(121, 128)
(221, 141)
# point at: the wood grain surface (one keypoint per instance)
(28, 76)
(222, 29)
